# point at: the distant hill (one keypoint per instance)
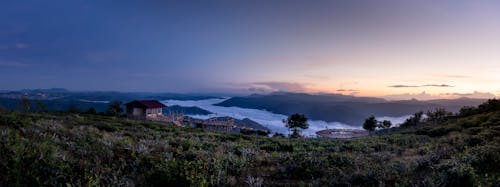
(341, 108)
(456, 104)
(59, 99)
(248, 123)
(176, 109)
(62, 104)
(58, 93)
(243, 123)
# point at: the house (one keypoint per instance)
(145, 109)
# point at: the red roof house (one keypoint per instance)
(144, 109)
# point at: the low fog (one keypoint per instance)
(268, 119)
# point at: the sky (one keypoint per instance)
(395, 49)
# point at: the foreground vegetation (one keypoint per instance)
(92, 150)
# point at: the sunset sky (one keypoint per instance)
(393, 49)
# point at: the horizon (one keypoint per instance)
(230, 95)
(385, 49)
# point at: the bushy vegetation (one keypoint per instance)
(371, 124)
(91, 150)
(295, 122)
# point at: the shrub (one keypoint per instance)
(263, 132)
(247, 131)
(413, 120)
(441, 131)
(370, 123)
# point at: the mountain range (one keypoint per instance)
(346, 109)
(342, 108)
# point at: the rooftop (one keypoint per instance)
(147, 103)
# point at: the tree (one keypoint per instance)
(385, 124)
(91, 110)
(24, 104)
(278, 135)
(370, 123)
(263, 132)
(295, 122)
(437, 116)
(2, 108)
(73, 109)
(467, 111)
(414, 120)
(114, 108)
(40, 106)
(489, 106)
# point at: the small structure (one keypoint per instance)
(145, 109)
(342, 133)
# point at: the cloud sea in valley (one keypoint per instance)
(268, 119)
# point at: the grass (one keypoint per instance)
(91, 150)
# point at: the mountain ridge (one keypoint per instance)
(342, 108)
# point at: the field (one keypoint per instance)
(92, 150)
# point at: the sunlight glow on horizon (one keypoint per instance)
(361, 48)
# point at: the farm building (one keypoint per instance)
(144, 109)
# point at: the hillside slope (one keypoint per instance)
(54, 150)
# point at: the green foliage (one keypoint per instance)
(91, 110)
(262, 132)
(278, 135)
(489, 106)
(413, 120)
(40, 106)
(385, 124)
(74, 109)
(295, 122)
(114, 108)
(467, 111)
(24, 104)
(92, 150)
(370, 123)
(437, 116)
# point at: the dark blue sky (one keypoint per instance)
(234, 46)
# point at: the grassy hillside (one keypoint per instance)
(88, 150)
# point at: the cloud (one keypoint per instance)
(268, 119)
(403, 86)
(475, 94)
(419, 96)
(280, 86)
(417, 86)
(273, 86)
(353, 93)
(347, 90)
(437, 85)
(262, 90)
(426, 96)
